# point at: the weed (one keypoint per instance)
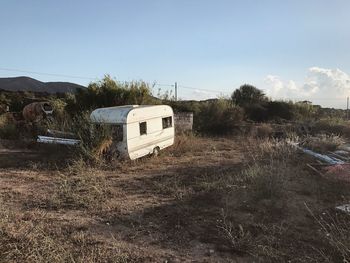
(29, 238)
(95, 140)
(323, 143)
(8, 130)
(80, 187)
(335, 229)
(27, 241)
(335, 126)
(266, 181)
(187, 144)
(239, 239)
(262, 131)
(261, 242)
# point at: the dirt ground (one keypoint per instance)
(164, 209)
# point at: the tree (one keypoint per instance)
(109, 92)
(248, 94)
(218, 117)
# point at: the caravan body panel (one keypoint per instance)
(145, 128)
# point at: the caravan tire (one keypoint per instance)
(156, 151)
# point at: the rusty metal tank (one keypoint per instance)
(36, 111)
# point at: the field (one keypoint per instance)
(206, 199)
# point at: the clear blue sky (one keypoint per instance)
(206, 44)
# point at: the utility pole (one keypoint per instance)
(347, 108)
(175, 91)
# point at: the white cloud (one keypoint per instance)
(328, 87)
(278, 88)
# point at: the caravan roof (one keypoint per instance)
(129, 113)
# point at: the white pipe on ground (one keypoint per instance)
(55, 140)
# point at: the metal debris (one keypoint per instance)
(345, 208)
(56, 140)
(322, 157)
(339, 156)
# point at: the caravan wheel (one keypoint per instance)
(156, 151)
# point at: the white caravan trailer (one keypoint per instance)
(138, 130)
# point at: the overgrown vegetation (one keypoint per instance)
(323, 143)
(241, 197)
(108, 92)
(30, 238)
(215, 116)
(8, 130)
(218, 117)
(80, 186)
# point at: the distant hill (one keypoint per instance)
(30, 84)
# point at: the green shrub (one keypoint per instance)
(333, 126)
(262, 131)
(256, 112)
(304, 111)
(218, 117)
(108, 92)
(247, 95)
(8, 130)
(184, 106)
(323, 143)
(95, 139)
(280, 110)
(266, 181)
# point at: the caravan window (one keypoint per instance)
(143, 128)
(167, 122)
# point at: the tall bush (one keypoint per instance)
(280, 110)
(108, 92)
(218, 117)
(247, 95)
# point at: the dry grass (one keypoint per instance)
(26, 240)
(333, 126)
(7, 130)
(31, 237)
(239, 197)
(187, 145)
(262, 131)
(266, 245)
(264, 191)
(323, 143)
(80, 186)
(260, 188)
(335, 229)
(267, 181)
(239, 239)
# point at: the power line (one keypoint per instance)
(164, 85)
(305, 98)
(228, 92)
(44, 73)
(89, 78)
(208, 90)
(156, 84)
(191, 88)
